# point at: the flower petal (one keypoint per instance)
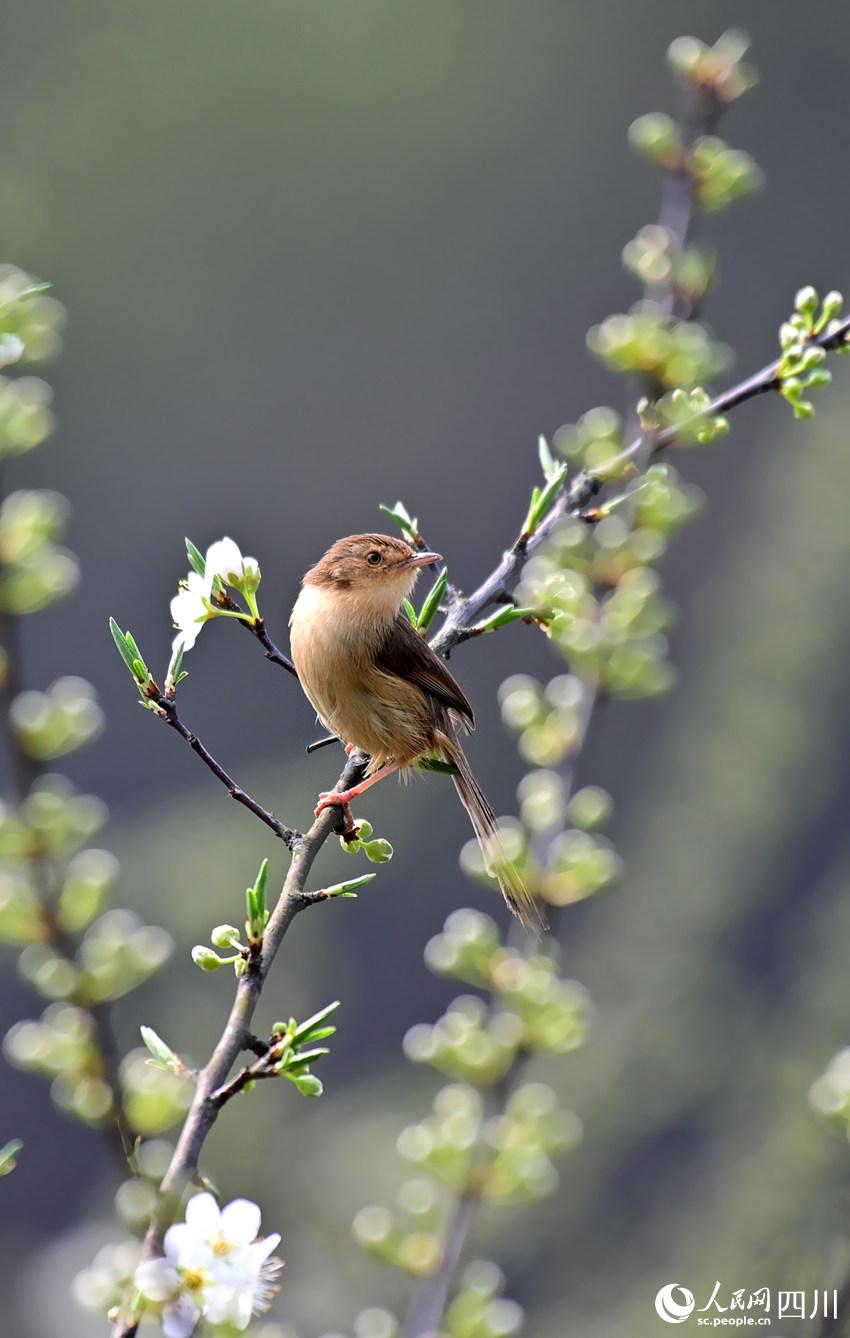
(157, 1279)
(261, 1249)
(178, 1239)
(180, 1318)
(203, 1216)
(223, 560)
(240, 1222)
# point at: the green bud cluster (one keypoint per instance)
(654, 259)
(376, 849)
(535, 1011)
(801, 364)
(479, 1308)
(62, 1046)
(29, 333)
(473, 1143)
(54, 887)
(644, 342)
(574, 865)
(294, 1048)
(106, 1281)
(59, 720)
(721, 174)
(687, 413)
(34, 570)
(718, 71)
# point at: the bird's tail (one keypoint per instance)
(484, 824)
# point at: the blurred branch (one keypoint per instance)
(25, 770)
(426, 1310)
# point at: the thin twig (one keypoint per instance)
(272, 652)
(167, 711)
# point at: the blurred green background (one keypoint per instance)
(320, 256)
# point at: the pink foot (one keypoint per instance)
(334, 799)
(349, 749)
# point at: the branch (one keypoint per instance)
(213, 1089)
(25, 771)
(166, 709)
(426, 1310)
(588, 483)
(272, 652)
(237, 1036)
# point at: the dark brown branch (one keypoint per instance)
(270, 650)
(167, 711)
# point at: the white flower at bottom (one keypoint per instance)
(214, 1266)
(159, 1281)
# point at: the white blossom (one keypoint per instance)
(215, 1267)
(225, 561)
(190, 609)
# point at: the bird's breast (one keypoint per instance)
(334, 642)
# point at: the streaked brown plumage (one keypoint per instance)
(377, 685)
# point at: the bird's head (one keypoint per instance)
(377, 566)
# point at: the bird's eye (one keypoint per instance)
(373, 558)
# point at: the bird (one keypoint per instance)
(377, 685)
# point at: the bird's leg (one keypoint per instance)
(342, 798)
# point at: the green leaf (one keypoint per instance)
(508, 613)
(378, 851)
(196, 558)
(411, 612)
(541, 500)
(174, 674)
(123, 645)
(307, 1083)
(306, 1057)
(260, 882)
(307, 1028)
(162, 1056)
(400, 515)
(349, 888)
(548, 463)
(432, 601)
(439, 765)
(321, 1033)
(9, 1155)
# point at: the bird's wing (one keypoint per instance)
(405, 654)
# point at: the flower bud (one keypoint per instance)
(225, 936)
(205, 958)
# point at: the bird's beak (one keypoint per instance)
(423, 560)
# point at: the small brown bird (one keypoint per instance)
(376, 683)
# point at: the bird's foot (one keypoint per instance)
(346, 827)
(350, 748)
(334, 799)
